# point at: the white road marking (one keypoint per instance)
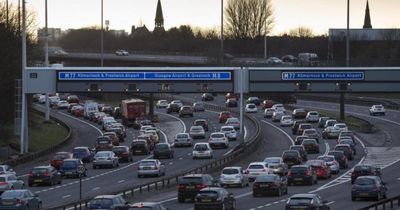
(329, 203)
(327, 148)
(66, 196)
(177, 118)
(287, 135)
(120, 181)
(96, 188)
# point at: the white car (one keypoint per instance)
(230, 132)
(334, 131)
(331, 162)
(377, 109)
(162, 104)
(150, 167)
(274, 61)
(42, 99)
(62, 104)
(312, 116)
(10, 181)
(183, 139)
(330, 123)
(268, 112)
(277, 115)
(233, 121)
(279, 107)
(144, 128)
(202, 150)
(178, 102)
(53, 100)
(121, 53)
(105, 158)
(250, 108)
(257, 169)
(218, 139)
(6, 169)
(286, 120)
(234, 175)
(197, 131)
(311, 134)
(342, 127)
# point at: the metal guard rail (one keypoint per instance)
(385, 204)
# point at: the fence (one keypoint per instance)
(390, 203)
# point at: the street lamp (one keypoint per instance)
(46, 58)
(102, 36)
(222, 32)
(265, 40)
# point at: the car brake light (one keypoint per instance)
(47, 174)
(200, 186)
(179, 186)
(3, 183)
(308, 173)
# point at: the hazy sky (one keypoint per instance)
(320, 15)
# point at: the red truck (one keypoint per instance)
(131, 109)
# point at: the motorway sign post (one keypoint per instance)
(81, 170)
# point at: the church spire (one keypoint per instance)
(159, 21)
(367, 19)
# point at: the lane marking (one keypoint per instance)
(329, 203)
(96, 188)
(177, 118)
(66, 196)
(327, 148)
(280, 129)
(120, 181)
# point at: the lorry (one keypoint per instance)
(89, 107)
(308, 59)
(132, 109)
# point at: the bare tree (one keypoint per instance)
(301, 31)
(248, 18)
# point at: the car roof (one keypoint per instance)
(233, 167)
(257, 163)
(212, 188)
(195, 175)
(71, 159)
(81, 147)
(106, 196)
(139, 204)
(46, 167)
(303, 195)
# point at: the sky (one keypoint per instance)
(319, 15)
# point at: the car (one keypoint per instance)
(312, 116)
(303, 174)
(140, 147)
(349, 142)
(232, 95)
(302, 127)
(189, 185)
(107, 122)
(331, 162)
(117, 112)
(197, 131)
(347, 134)
(267, 104)
(250, 108)
(377, 109)
(147, 206)
(121, 53)
(198, 107)
(202, 150)
(6, 169)
(150, 143)
(62, 104)
(207, 97)
(53, 101)
(254, 100)
(322, 121)
(340, 158)
(108, 109)
(299, 140)
(143, 122)
(233, 176)
(256, 169)
(123, 153)
(83, 153)
(299, 113)
(330, 132)
(103, 143)
(10, 181)
(173, 108)
(113, 137)
(277, 115)
(274, 61)
(178, 102)
(301, 150)
(296, 125)
(77, 111)
(69, 168)
(365, 170)
(270, 184)
(231, 102)
(162, 104)
(286, 120)
(223, 116)
(268, 112)
(219, 139)
(154, 135)
(42, 175)
(342, 127)
(276, 165)
(348, 152)
(306, 201)
(185, 111)
(214, 198)
(144, 128)
(105, 158)
(233, 121)
(70, 105)
(183, 139)
(368, 187)
(311, 146)
(229, 132)
(119, 131)
(321, 168)
(291, 157)
(311, 133)
(20, 199)
(106, 202)
(58, 158)
(289, 59)
(150, 167)
(98, 116)
(201, 122)
(330, 122)
(163, 150)
(73, 99)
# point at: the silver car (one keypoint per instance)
(218, 139)
(276, 165)
(183, 139)
(277, 115)
(312, 116)
(311, 133)
(197, 131)
(231, 176)
(230, 132)
(268, 112)
(10, 182)
(233, 121)
(202, 150)
(6, 169)
(331, 162)
(150, 167)
(198, 107)
(105, 158)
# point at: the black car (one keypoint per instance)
(301, 150)
(202, 122)
(173, 108)
(306, 201)
(365, 170)
(189, 185)
(44, 175)
(254, 100)
(311, 145)
(207, 97)
(304, 174)
(186, 110)
(351, 143)
(214, 198)
(270, 183)
(368, 187)
(163, 150)
(299, 113)
(340, 158)
(123, 153)
(140, 147)
(73, 99)
(231, 102)
(291, 157)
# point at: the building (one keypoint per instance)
(54, 34)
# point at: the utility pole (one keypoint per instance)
(222, 32)
(265, 40)
(7, 20)
(342, 107)
(24, 120)
(102, 36)
(46, 59)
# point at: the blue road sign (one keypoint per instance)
(323, 76)
(151, 76)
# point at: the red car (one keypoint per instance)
(322, 169)
(267, 104)
(223, 116)
(58, 159)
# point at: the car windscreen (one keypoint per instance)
(103, 142)
(286, 118)
(256, 166)
(102, 154)
(60, 156)
(182, 136)
(305, 126)
(327, 159)
(217, 135)
(230, 171)
(119, 149)
(309, 142)
(208, 193)
(162, 146)
(300, 201)
(364, 181)
(251, 106)
(362, 168)
(69, 163)
(39, 170)
(102, 203)
(147, 163)
(272, 160)
(196, 129)
(298, 169)
(290, 154)
(12, 194)
(201, 147)
(378, 107)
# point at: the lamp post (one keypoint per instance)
(24, 121)
(102, 35)
(342, 107)
(46, 59)
(265, 40)
(7, 13)
(222, 32)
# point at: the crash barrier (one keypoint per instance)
(390, 203)
(246, 147)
